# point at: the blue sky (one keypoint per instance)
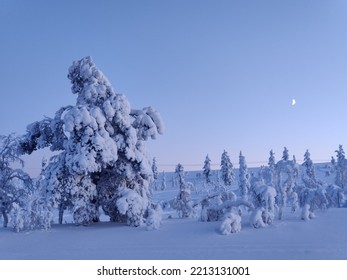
(221, 73)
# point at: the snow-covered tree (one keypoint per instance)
(163, 181)
(155, 172)
(102, 144)
(309, 178)
(183, 203)
(311, 199)
(15, 184)
(341, 168)
(285, 155)
(207, 169)
(272, 161)
(335, 196)
(264, 201)
(154, 218)
(267, 173)
(312, 195)
(34, 213)
(333, 161)
(244, 177)
(228, 176)
(286, 174)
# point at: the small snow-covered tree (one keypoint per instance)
(286, 175)
(272, 161)
(335, 196)
(155, 172)
(268, 173)
(341, 168)
(15, 184)
(244, 177)
(285, 155)
(311, 199)
(308, 164)
(34, 213)
(264, 201)
(207, 169)
(154, 219)
(227, 169)
(163, 182)
(183, 203)
(309, 178)
(312, 195)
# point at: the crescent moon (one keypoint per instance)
(293, 102)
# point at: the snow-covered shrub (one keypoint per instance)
(257, 217)
(306, 213)
(264, 197)
(133, 206)
(311, 199)
(335, 195)
(154, 218)
(210, 210)
(215, 207)
(231, 224)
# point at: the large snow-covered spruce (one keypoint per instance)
(103, 159)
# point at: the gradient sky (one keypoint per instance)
(221, 73)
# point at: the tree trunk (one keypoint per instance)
(4, 214)
(61, 214)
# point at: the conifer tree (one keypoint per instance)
(163, 182)
(207, 169)
(244, 177)
(271, 162)
(309, 169)
(155, 172)
(227, 169)
(183, 203)
(341, 168)
(285, 155)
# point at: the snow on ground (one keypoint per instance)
(322, 238)
(291, 238)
